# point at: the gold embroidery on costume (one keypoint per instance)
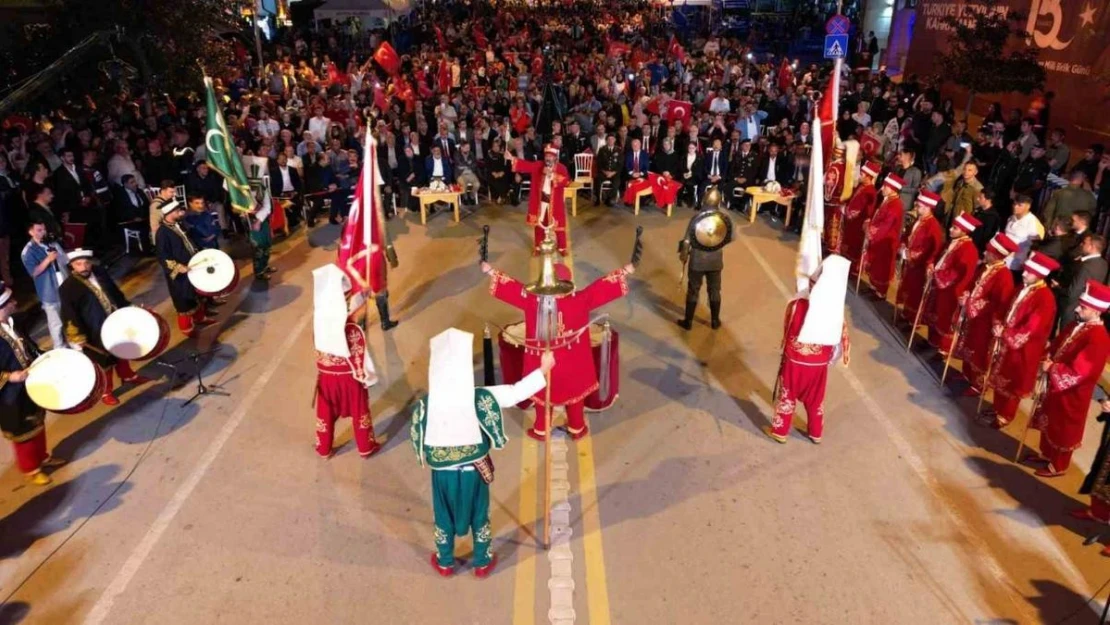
(321, 425)
(452, 454)
(485, 534)
(440, 536)
(101, 296)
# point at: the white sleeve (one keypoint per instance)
(512, 394)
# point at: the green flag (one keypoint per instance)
(222, 156)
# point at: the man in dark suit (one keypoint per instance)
(438, 166)
(607, 168)
(409, 174)
(132, 208)
(691, 166)
(741, 174)
(637, 163)
(69, 190)
(1075, 274)
(774, 166)
(445, 143)
(285, 182)
(574, 142)
(715, 168)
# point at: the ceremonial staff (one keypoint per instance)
(487, 340)
(987, 377)
(863, 255)
(955, 340)
(920, 307)
(1039, 392)
(899, 269)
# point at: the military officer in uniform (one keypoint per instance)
(702, 255)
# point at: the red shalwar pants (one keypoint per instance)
(31, 453)
(805, 384)
(576, 419)
(339, 396)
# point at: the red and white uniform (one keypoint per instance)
(574, 376)
(1024, 338)
(860, 208)
(884, 234)
(1078, 357)
(805, 372)
(987, 306)
(924, 244)
(545, 200)
(952, 280)
(341, 392)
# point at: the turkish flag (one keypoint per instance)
(679, 110)
(675, 50)
(443, 80)
(380, 100)
(387, 57)
(480, 38)
(617, 48)
(440, 39)
(362, 246)
(827, 110)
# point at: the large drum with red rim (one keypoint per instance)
(511, 347)
(212, 273)
(134, 333)
(65, 381)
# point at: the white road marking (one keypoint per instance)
(142, 551)
(978, 545)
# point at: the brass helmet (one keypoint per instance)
(712, 198)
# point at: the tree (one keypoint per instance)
(982, 59)
(167, 42)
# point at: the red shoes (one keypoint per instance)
(445, 571)
(375, 447)
(109, 399)
(482, 572)
(534, 435)
(574, 436)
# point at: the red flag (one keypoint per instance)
(828, 113)
(380, 100)
(440, 39)
(679, 110)
(444, 79)
(387, 57)
(480, 38)
(653, 105)
(675, 50)
(786, 75)
(617, 48)
(362, 247)
(424, 90)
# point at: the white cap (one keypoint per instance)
(452, 419)
(170, 207)
(79, 253)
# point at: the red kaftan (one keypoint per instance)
(859, 209)
(805, 370)
(1024, 338)
(987, 305)
(574, 376)
(952, 279)
(884, 235)
(556, 210)
(923, 246)
(1078, 356)
(340, 394)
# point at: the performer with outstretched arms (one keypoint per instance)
(453, 429)
(545, 197)
(558, 316)
(814, 335)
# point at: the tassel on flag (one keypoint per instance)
(809, 247)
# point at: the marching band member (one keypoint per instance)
(174, 250)
(1074, 365)
(858, 210)
(545, 197)
(344, 370)
(566, 330)
(923, 245)
(884, 231)
(1021, 340)
(953, 277)
(22, 422)
(453, 429)
(987, 306)
(814, 335)
(87, 297)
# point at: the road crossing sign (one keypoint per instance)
(836, 46)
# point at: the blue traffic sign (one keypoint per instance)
(837, 25)
(836, 46)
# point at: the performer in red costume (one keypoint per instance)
(1074, 365)
(858, 210)
(814, 332)
(884, 231)
(574, 377)
(952, 280)
(344, 371)
(986, 306)
(834, 187)
(1021, 341)
(923, 245)
(545, 198)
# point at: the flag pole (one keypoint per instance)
(370, 244)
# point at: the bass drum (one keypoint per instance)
(212, 273)
(65, 381)
(135, 333)
(511, 342)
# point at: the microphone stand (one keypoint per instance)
(202, 388)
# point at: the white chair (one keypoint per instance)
(583, 166)
(605, 184)
(179, 193)
(525, 186)
(151, 192)
(129, 234)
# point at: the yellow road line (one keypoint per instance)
(524, 589)
(597, 586)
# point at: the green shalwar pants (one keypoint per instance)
(261, 241)
(460, 504)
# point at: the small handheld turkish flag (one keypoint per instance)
(387, 57)
(679, 110)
